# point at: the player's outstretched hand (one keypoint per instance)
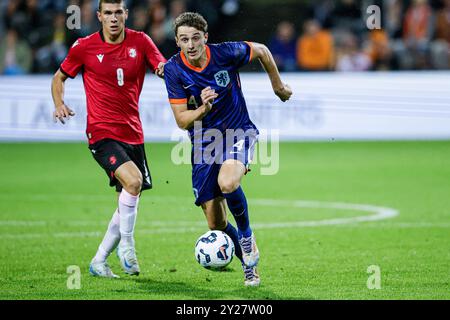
(62, 113)
(284, 93)
(160, 70)
(208, 95)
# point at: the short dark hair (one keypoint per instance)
(190, 19)
(100, 2)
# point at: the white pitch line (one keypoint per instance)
(161, 227)
(405, 225)
(380, 213)
(90, 223)
(22, 223)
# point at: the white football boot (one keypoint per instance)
(101, 269)
(128, 260)
(251, 278)
(250, 252)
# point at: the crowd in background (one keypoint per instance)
(415, 34)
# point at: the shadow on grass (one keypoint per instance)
(208, 292)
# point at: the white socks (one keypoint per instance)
(110, 240)
(121, 227)
(127, 212)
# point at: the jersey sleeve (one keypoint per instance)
(174, 87)
(73, 62)
(152, 54)
(238, 53)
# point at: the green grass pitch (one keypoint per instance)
(55, 205)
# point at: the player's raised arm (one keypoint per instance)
(62, 111)
(263, 54)
(185, 118)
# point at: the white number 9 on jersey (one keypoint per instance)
(120, 77)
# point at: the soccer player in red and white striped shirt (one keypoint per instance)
(113, 63)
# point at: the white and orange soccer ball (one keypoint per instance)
(214, 250)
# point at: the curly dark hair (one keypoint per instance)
(190, 19)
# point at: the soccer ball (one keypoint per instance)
(214, 250)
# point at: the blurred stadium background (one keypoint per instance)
(350, 83)
(304, 35)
